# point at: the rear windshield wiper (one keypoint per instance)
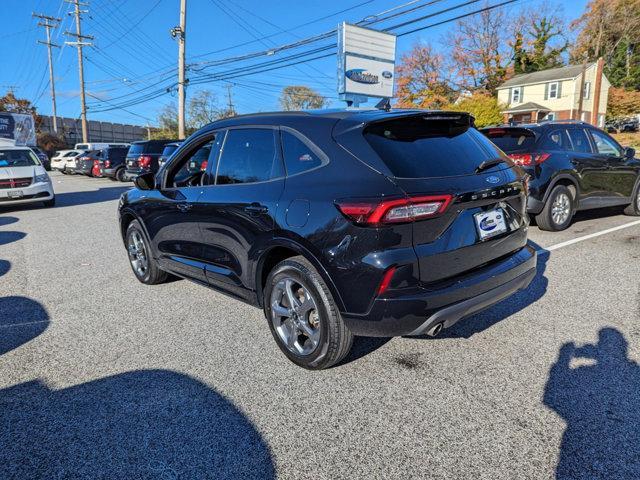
(488, 164)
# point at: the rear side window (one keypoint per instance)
(512, 140)
(298, 156)
(168, 150)
(248, 155)
(579, 140)
(136, 149)
(417, 147)
(556, 140)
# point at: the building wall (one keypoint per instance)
(71, 128)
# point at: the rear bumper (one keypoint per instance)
(131, 174)
(414, 311)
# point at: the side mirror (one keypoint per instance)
(629, 152)
(146, 181)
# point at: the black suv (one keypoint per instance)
(142, 157)
(112, 162)
(337, 223)
(572, 166)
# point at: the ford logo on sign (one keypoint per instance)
(492, 179)
(360, 75)
(387, 74)
(488, 224)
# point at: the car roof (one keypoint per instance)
(13, 147)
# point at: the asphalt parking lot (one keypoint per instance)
(103, 377)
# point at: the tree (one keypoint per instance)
(421, 81)
(50, 142)
(10, 103)
(167, 123)
(622, 103)
(483, 106)
(480, 53)
(203, 109)
(299, 97)
(539, 52)
(611, 29)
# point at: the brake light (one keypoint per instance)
(386, 280)
(395, 211)
(107, 163)
(203, 167)
(528, 159)
(144, 161)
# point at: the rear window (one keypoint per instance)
(168, 150)
(136, 149)
(417, 147)
(512, 140)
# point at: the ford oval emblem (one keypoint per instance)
(492, 179)
(387, 74)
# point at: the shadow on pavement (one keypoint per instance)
(7, 220)
(10, 237)
(600, 402)
(140, 424)
(5, 266)
(69, 199)
(21, 320)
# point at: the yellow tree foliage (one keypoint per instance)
(623, 102)
(483, 106)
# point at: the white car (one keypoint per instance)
(23, 179)
(63, 158)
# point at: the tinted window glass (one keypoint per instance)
(579, 140)
(512, 140)
(18, 158)
(556, 140)
(604, 144)
(298, 157)
(248, 155)
(416, 147)
(168, 150)
(154, 147)
(136, 149)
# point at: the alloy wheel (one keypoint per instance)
(138, 254)
(561, 209)
(294, 315)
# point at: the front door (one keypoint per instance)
(239, 206)
(620, 178)
(173, 214)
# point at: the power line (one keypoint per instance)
(48, 23)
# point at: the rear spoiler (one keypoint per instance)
(512, 131)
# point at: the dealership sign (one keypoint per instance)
(366, 60)
(17, 129)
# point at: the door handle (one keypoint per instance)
(256, 209)
(184, 207)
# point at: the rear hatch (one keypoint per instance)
(133, 155)
(519, 143)
(441, 155)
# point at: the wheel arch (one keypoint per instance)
(568, 181)
(281, 249)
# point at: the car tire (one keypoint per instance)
(144, 266)
(50, 203)
(313, 334)
(120, 175)
(558, 210)
(634, 208)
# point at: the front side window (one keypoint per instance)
(18, 158)
(248, 156)
(605, 144)
(298, 156)
(188, 170)
(553, 90)
(579, 141)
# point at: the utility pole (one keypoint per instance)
(48, 23)
(230, 108)
(581, 94)
(79, 43)
(180, 32)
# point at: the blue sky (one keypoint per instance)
(134, 52)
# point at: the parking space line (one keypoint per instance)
(587, 237)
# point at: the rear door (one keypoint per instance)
(239, 205)
(445, 155)
(620, 176)
(591, 168)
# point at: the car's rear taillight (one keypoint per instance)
(203, 167)
(528, 159)
(144, 161)
(399, 210)
(107, 163)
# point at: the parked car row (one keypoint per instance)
(424, 212)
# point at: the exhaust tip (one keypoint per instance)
(435, 330)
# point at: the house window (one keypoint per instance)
(551, 116)
(587, 89)
(516, 95)
(553, 90)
